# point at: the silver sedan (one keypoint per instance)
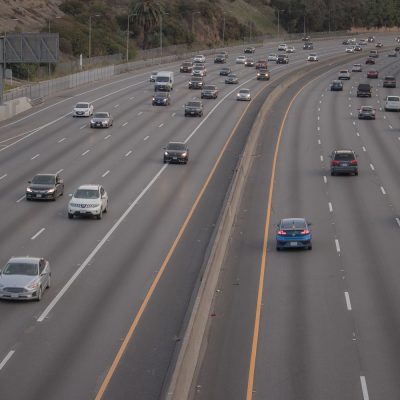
(25, 278)
(243, 94)
(101, 120)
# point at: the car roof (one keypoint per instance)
(343, 151)
(89, 187)
(176, 143)
(25, 259)
(46, 174)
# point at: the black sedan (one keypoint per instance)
(161, 99)
(225, 71)
(336, 85)
(45, 187)
(232, 78)
(176, 152)
(194, 108)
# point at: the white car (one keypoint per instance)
(363, 42)
(199, 58)
(282, 47)
(153, 76)
(241, 60)
(350, 49)
(272, 57)
(392, 103)
(290, 49)
(88, 200)
(312, 57)
(83, 109)
(344, 74)
(199, 70)
(243, 94)
(356, 68)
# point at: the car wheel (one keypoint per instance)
(165, 161)
(70, 215)
(332, 173)
(356, 173)
(40, 293)
(309, 247)
(100, 215)
(106, 208)
(278, 248)
(28, 198)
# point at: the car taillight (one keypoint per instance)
(281, 232)
(354, 162)
(305, 232)
(335, 162)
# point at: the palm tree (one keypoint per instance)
(147, 15)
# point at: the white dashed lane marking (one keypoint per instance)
(390, 127)
(20, 199)
(38, 233)
(116, 106)
(325, 179)
(173, 114)
(319, 141)
(337, 244)
(146, 138)
(124, 124)
(131, 98)
(348, 303)
(83, 126)
(364, 388)
(398, 221)
(3, 176)
(85, 152)
(383, 190)
(358, 133)
(105, 173)
(128, 153)
(330, 207)
(140, 113)
(364, 149)
(322, 158)
(36, 156)
(372, 167)
(61, 140)
(6, 359)
(161, 125)
(108, 136)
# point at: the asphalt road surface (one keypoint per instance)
(125, 283)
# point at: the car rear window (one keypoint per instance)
(344, 156)
(176, 146)
(293, 224)
(390, 78)
(209, 88)
(393, 98)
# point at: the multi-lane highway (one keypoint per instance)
(320, 324)
(111, 324)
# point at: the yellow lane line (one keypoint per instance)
(253, 355)
(157, 278)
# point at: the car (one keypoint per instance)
(153, 76)
(225, 71)
(209, 92)
(196, 82)
(243, 94)
(370, 61)
(176, 152)
(308, 46)
(389, 82)
(225, 53)
(373, 53)
(220, 59)
(293, 233)
(261, 64)
(25, 278)
(249, 62)
(186, 66)
(336, 85)
(282, 59)
(83, 109)
(241, 59)
(200, 58)
(344, 161)
(45, 187)
(362, 42)
(161, 99)
(344, 74)
(392, 103)
(263, 75)
(88, 201)
(312, 57)
(397, 48)
(366, 112)
(250, 50)
(282, 47)
(101, 119)
(357, 48)
(379, 45)
(305, 38)
(356, 68)
(345, 42)
(350, 49)
(272, 57)
(231, 79)
(392, 53)
(290, 49)
(199, 70)
(364, 90)
(371, 39)
(194, 108)
(372, 74)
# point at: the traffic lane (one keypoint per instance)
(128, 249)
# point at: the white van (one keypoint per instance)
(392, 103)
(164, 81)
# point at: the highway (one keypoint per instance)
(111, 324)
(320, 324)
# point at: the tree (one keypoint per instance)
(147, 15)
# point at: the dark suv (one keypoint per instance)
(389, 81)
(186, 66)
(176, 152)
(209, 92)
(282, 59)
(45, 187)
(196, 82)
(344, 162)
(364, 90)
(220, 59)
(263, 75)
(194, 108)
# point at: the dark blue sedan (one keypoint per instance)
(293, 233)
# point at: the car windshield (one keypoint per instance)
(193, 104)
(344, 156)
(196, 79)
(87, 194)
(176, 146)
(244, 91)
(198, 68)
(367, 109)
(209, 87)
(101, 115)
(225, 69)
(21, 268)
(293, 224)
(82, 105)
(187, 64)
(231, 76)
(161, 94)
(44, 179)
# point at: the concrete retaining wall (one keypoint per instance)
(14, 107)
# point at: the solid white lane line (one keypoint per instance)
(128, 153)
(61, 140)
(140, 113)
(99, 246)
(337, 245)
(330, 207)
(125, 124)
(325, 179)
(146, 138)
(105, 173)
(398, 221)
(38, 233)
(161, 125)
(364, 149)
(383, 190)
(85, 152)
(364, 388)
(108, 136)
(60, 170)
(36, 156)
(20, 199)
(6, 359)
(3, 176)
(346, 295)
(322, 158)
(372, 167)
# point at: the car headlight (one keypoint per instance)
(92, 121)
(164, 100)
(166, 153)
(184, 154)
(33, 285)
(50, 190)
(258, 74)
(154, 99)
(28, 189)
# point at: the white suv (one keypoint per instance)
(83, 109)
(392, 103)
(89, 200)
(282, 47)
(344, 74)
(199, 58)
